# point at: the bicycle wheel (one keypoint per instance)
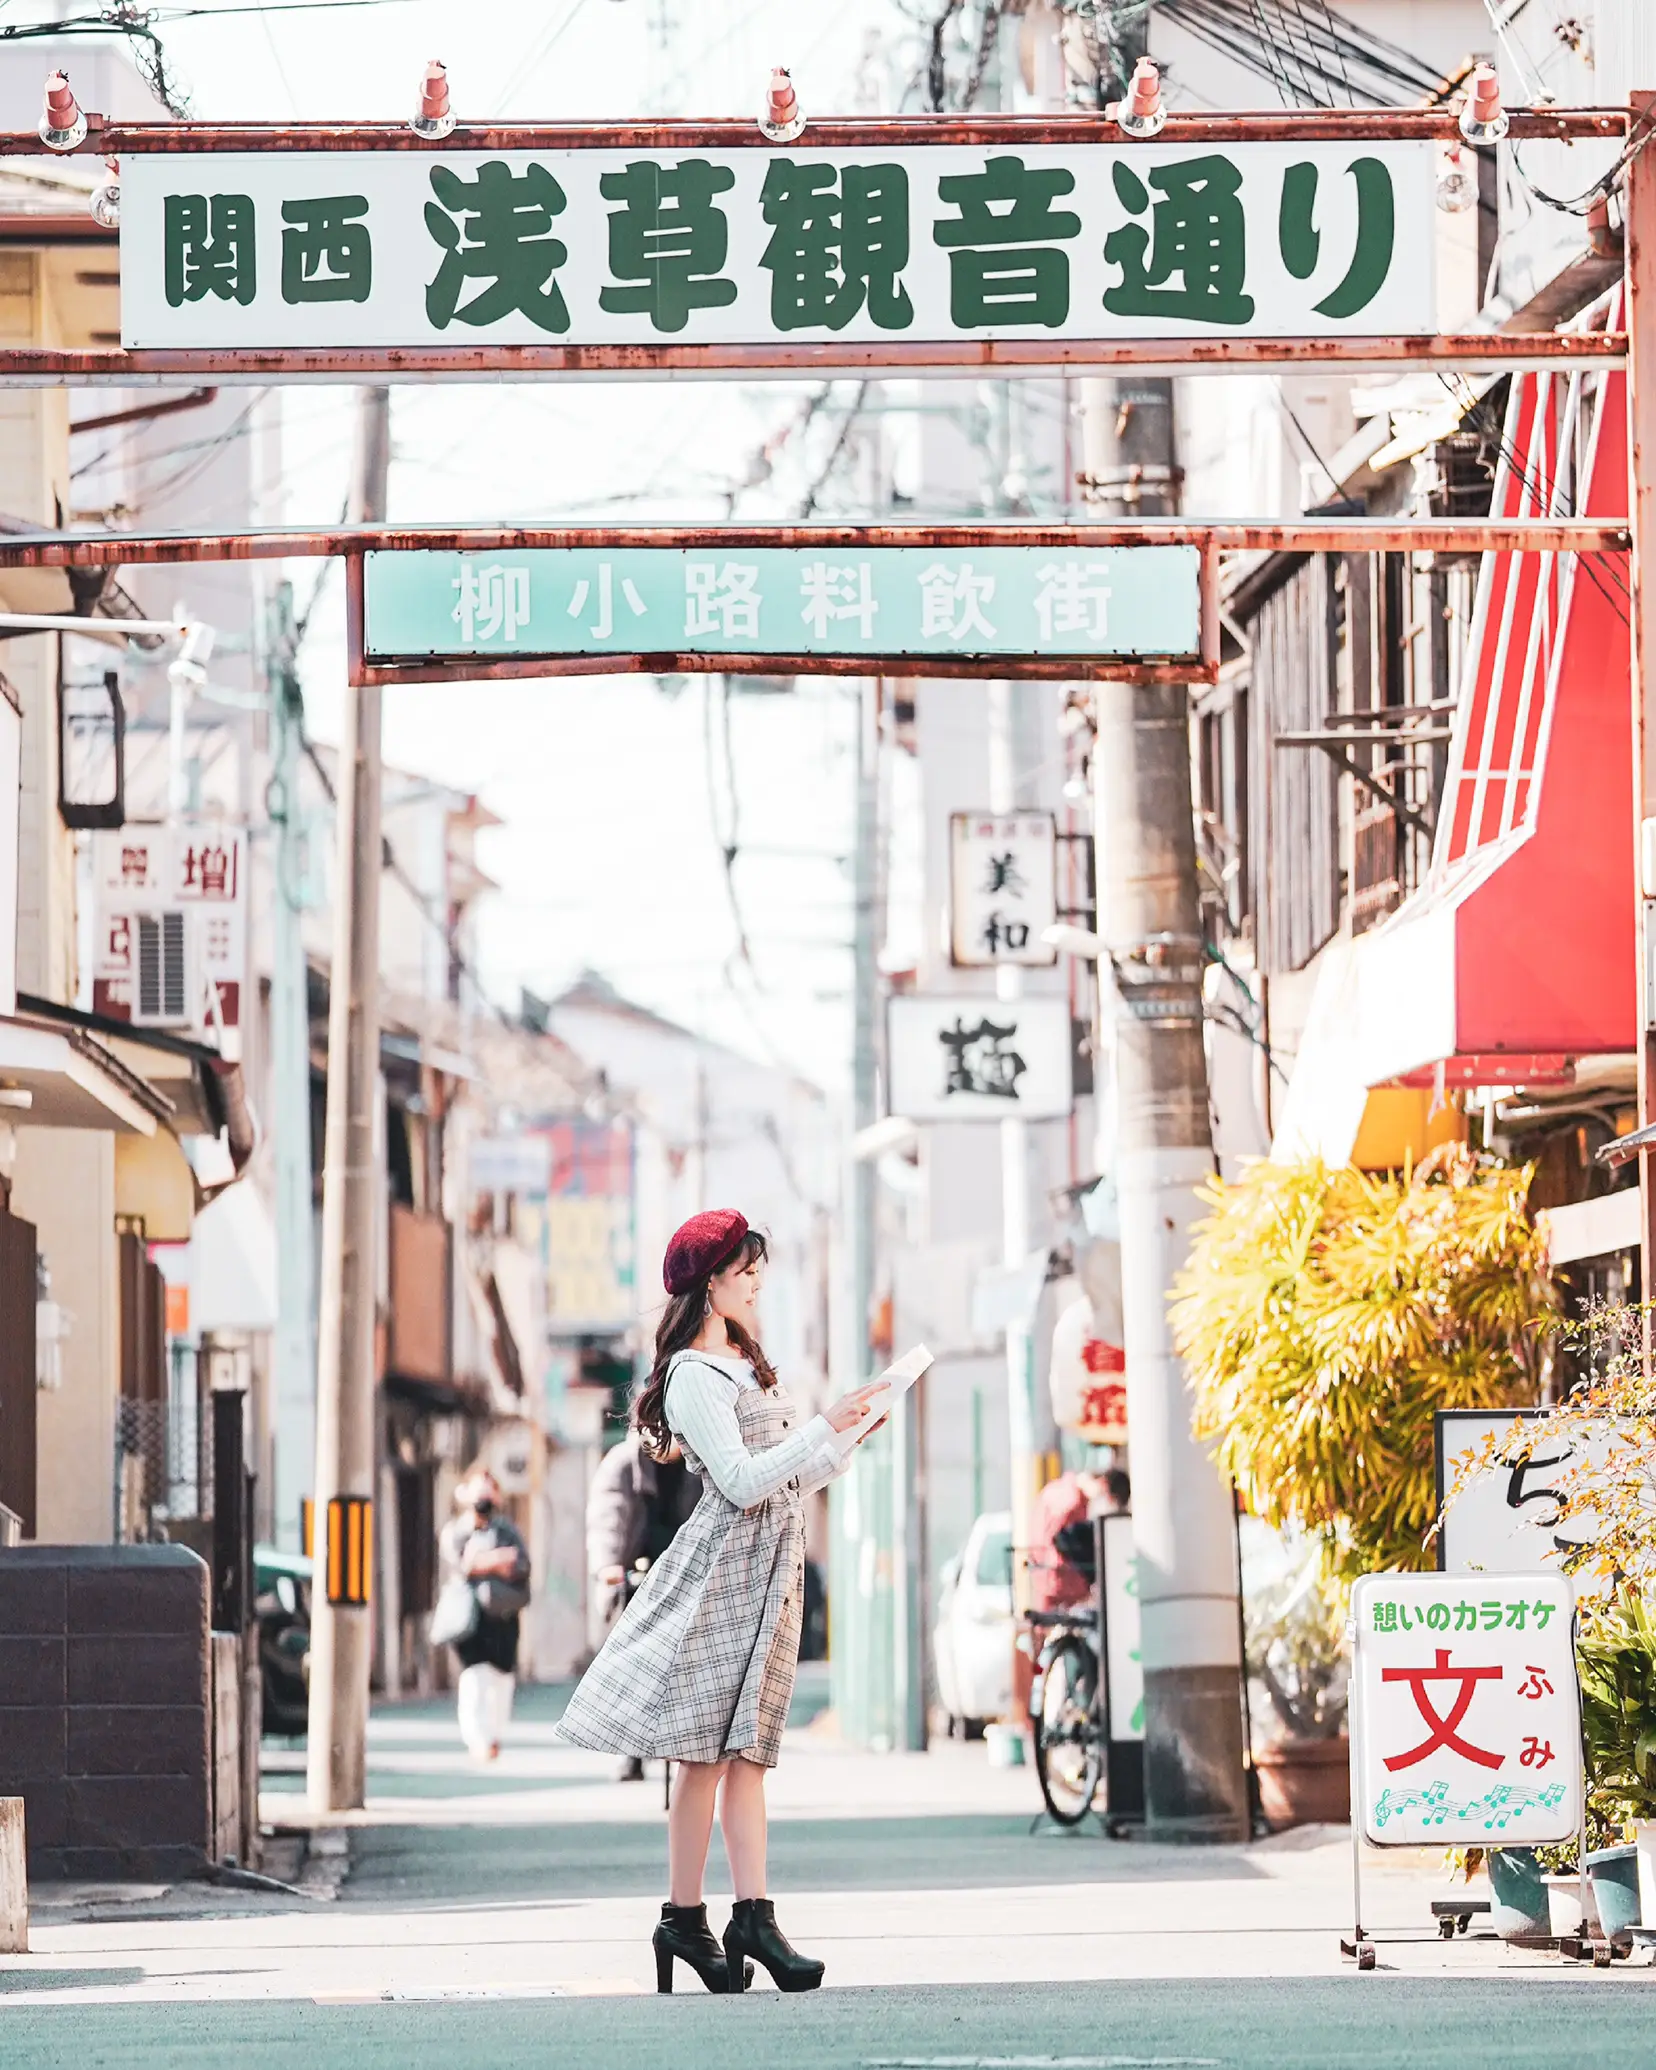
(1068, 1758)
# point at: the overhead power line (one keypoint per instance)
(1311, 53)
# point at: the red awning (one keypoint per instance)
(1521, 945)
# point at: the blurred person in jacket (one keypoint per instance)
(482, 1546)
(1057, 1579)
(636, 1506)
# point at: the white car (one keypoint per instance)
(972, 1639)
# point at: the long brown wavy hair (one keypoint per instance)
(680, 1324)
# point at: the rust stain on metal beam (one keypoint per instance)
(1209, 585)
(1065, 668)
(114, 366)
(143, 413)
(1334, 125)
(1304, 535)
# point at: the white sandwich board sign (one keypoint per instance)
(1465, 1711)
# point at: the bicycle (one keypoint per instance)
(1066, 1712)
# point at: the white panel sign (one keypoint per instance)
(937, 243)
(1466, 1719)
(978, 1058)
(1003, 887)
(511, 1164)
(170, 920)
(1124, 1652)
(1505, 1521)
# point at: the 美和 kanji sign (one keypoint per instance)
(1465, 1711)
(1003, 892)
(830, 600)
(609, 247)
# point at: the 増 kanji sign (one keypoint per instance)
(1466, 1714)
(607, 247)
(829, 600)
(170, 927)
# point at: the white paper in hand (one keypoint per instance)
(893, 1384)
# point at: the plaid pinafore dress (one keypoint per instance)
(700, 1666)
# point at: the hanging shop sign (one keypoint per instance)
(785, 601)
(582, 1226)
(1003, 887)
(757, 247)
(1087, 1375)
(170, 928)
(510, 1164)
(1505, 1520)
(1466, 1717)
(977, 1058)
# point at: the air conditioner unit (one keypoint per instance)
(161, 993)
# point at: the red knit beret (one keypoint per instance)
(704, 1244)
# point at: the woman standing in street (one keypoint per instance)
(482, 1550)
(700, 1667)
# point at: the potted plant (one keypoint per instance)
(1297, 1664)
(1325, 1315)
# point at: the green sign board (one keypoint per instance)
(786, 601)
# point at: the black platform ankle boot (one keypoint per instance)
(685, 1933)
(753, 1931)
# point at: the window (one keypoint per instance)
(163, 988)
(994, 1563)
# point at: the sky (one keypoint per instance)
(615, 796)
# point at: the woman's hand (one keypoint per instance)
(850, 1409)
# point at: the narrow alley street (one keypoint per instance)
(504, 1915)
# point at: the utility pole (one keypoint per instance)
(862, 1662)
(904, 1442)
(1023, 1454)
(341, 1620)
(1149, 921)
(294, 1344)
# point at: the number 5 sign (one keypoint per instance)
(1466, 1716)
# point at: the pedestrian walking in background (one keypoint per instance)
(636, 1506)
(699, 1668)
(485, 1574)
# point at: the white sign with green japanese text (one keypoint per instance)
(779, 247)
(827, 600)
(1466, 1716)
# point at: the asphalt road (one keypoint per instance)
(501, 1917)
(1366, 2023)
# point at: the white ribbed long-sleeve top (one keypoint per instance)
(701, 1411)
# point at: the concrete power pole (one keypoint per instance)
(341, 1621)
(1150, 923)
(1023, 1448)
(294, 1346)
(862, 1663)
